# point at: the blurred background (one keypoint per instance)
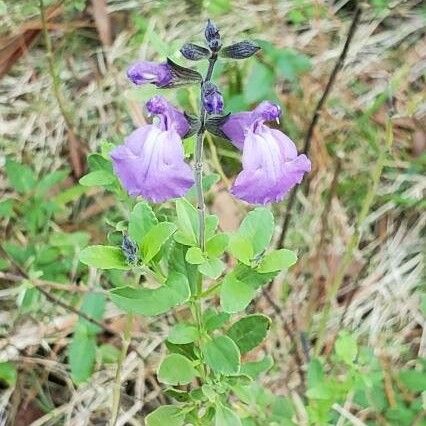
(357, 223)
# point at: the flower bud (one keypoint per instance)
(212, 98)
(212, 36)
(130, 249)
(193, 52)
(243, 49)
(143, 72)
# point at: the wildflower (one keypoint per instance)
(151, 162)
(271, 165)
(143, 72)
(212, 98)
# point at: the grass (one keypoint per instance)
(370, 206)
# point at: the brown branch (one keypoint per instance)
(308, 139)
(293, 339)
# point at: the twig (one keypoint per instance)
(336, 281)
(312, 125)
(72, 288)
(316, 115)
(73, 142)
(278, 312)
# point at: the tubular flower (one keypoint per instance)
(143, 72)
(271, 165)
(151, 162)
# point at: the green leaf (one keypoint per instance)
(8, 373)
(315, 373)
(181, 334)
(259, 83)
(254, 368)
(195, 256)
(216, 245)
(277, 260)
(82, 354)
(178, 263)
(146, 301)
(241, 248)
(175, 369)
(249, 331)
(235, 295)
(108, 354)
(21, 177)
(346, 347)
(69, 239)
(94, 306)
(251, 276)
(186, 350)
(142, 219)
(104, 257)
(187, 221)
(258, 227)
(97, 178)
(414, 380)
(155, 238)
(169, 415)
(212, 222)
(97, 162)
(212, 268)
(292, 63)
(222, 355)
(224, 416)
(50, 180)
(6, 208)
(208, 180)
(214, 320)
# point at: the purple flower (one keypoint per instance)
(143, 72)
(212, 98)
(151, 162)
(271, 166)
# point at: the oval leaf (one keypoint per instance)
(222, 355)
(155, 238)
(104, 257)
(249, 331)
(224, 416)
(181, 334)
(169, 415)
(175, 369)
(146, 301)
(142, 219)
(235, 295)
(258, 227)
(277, 260)
(97, 178)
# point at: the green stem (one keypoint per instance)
(353, 242)
(201, 207)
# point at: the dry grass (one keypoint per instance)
(380, 297)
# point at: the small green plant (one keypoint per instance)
(173, 254)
